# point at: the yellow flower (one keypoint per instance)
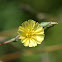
(31, 33)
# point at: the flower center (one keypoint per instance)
(29, 34)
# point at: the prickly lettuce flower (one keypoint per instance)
(31, 33)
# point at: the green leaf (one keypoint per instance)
(47, 24)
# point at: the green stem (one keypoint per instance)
(11, 40)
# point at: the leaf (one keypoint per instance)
(47, 24)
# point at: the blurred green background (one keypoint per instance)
(13, 13)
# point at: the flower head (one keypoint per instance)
(31, 33)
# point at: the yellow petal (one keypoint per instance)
(32, 43)
(25, 24)
(36, 26)
(39, 38)
(26, 43)
(21, 28)
(40, 34)
(31, 23)
(39, 29)
(24, 40)
(21, 33)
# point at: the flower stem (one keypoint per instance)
(11, 40)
